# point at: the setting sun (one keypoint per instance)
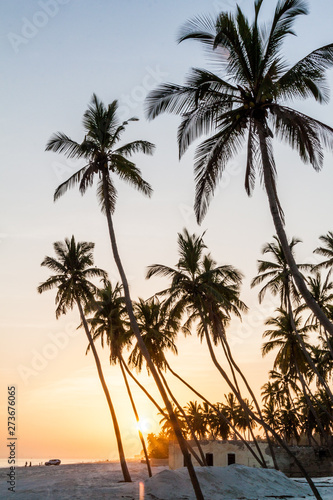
(144, 425)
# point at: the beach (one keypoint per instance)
(104, 481)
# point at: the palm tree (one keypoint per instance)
(280, 281)
(243, 104)
(290, 358)
(208, 294)
(199, 288)
(109, 320)
(220, 422)
(159, 330)
(104, 160)
(276, 273)
(72, 268)
(196, 417)
(326, 250)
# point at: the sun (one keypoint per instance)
(143, 425)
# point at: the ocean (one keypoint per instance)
(20, 462)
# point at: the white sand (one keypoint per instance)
(103, 481)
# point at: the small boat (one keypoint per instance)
(53, 461)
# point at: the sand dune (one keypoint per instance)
(103, 481)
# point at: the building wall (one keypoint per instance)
(220, 451)
(317, 462)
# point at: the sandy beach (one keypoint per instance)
(104, 481)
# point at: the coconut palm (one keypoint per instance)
(72, 268)
(196, 417)
(276, 273)
(159, 330)
(105, 160)
(243, 104)
(109, 320)
(279, 280)
(207, 294)
(290, 358)
(326, 250)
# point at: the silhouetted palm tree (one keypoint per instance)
(72, 268)
(326, 251)
(243, 105)
(290, 358)
(276, 273)
(104, 160)
(109, 320)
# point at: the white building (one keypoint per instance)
(221, 453)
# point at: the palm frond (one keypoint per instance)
(306, 77)
(211, 157)
(71, 182)
(128, 172)
(136, 147)
(61, 143)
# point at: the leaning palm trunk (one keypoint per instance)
(233, 365)
(155, 403)
(129, 392)
(143, 348)
(280, 231)
(256, 418)
(123, 464)
(144, 390)
(201, 461)
(235, 431)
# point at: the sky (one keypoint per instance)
(55, 55)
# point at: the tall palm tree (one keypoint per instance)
(199, 288)
(72, 268)
(104, 160)
(159, 330)
(244, 104)
(109, 320)
(208, 294)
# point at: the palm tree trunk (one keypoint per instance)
(143, 388)
(201, 462)
(232, 364)
(136, 417)
(238, 434)
(279, 227)
(123, 464)
(144, 350)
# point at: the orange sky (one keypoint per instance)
(61, 409)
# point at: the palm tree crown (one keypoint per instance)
(110, 319)
(198, 286)
(99, 147)
(242, 102)
(72, 268)
(277, 274)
